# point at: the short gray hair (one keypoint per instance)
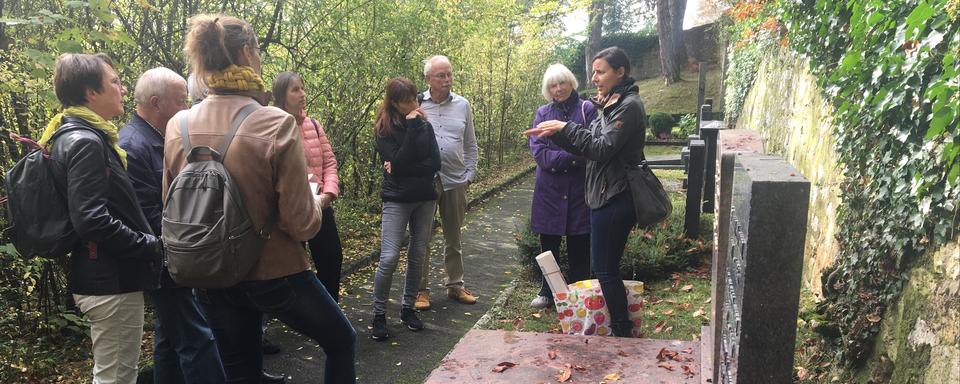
(555, 74)
(428, 63)
(155, 82)
(196, 89)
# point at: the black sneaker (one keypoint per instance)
(380, 328)
(409, 318)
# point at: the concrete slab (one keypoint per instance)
(474, 358)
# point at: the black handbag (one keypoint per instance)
(651, 203)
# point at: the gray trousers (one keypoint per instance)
(453, 210)
(395, 218)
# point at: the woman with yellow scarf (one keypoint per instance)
(266, 163)
(116, 256)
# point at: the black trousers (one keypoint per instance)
(327, 254)
(578, 257)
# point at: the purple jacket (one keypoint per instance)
(559, 207)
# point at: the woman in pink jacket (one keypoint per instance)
(290, 95)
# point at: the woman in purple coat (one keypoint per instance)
(559, 208)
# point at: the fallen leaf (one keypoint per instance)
(579, 368)
(468, 314)
(708, 300)
(622, 353)
(687, 288)
(552, 355)
(873, 318)
(687, 371)
(667, 312)
(687, 351)
(535, 315)
(668, 330)
(802, 373)
(655, 302)
(659, 327)
(699, 312)
(565, 374)
(503, 366)
(666, 366)
(612, 376)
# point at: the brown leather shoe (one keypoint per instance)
(423, 301)
(462, 295)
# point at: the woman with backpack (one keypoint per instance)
(266, 163)
(613, 140)
(114, 255)
(411, 160)
(289, 94)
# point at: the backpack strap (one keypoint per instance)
(185, 135)
(235, 125)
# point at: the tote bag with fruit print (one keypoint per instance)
(583, 311)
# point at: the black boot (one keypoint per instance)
(380, 328)
(409, 318)
(622, 329)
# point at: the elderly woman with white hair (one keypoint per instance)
(559, 208)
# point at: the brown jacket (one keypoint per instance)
(266, 162)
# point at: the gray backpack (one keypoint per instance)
(209, 239)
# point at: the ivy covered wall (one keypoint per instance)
(797, 125)
(919, 337)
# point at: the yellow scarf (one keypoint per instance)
(93, 119)
(235, 78)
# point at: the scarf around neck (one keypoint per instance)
(93, 119)
(238, 80)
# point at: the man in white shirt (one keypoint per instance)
(452, 122)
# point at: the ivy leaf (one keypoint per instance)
(933, 39)
(920, 15)
(939, 122)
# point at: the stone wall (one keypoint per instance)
(788, 109)
(920, 334)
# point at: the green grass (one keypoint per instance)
(680, 97)
(660, 150)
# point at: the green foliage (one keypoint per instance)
(891, 70)
(658, 252)
(687, 126)
(754, 31)
(635, 44)
(661, 123)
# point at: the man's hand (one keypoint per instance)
(387, 167)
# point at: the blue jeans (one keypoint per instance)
(299, 301)
(609, 227)
(184, 348)
(396, 216)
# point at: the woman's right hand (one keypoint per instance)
(415, 113)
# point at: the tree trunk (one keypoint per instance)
(593, 39)
(668, 63)
(677, 8)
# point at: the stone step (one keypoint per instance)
(591, 358)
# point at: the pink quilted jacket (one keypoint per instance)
(321, 161)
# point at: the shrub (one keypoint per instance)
(687, 125)
(528, 247)
(661, 123)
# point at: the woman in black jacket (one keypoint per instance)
(411, 159)
(116, 256)
(612, 141)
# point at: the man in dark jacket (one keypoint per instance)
(117, 255)
(184, 348)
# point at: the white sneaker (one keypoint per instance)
(541, 302)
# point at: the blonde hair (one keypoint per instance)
(214, 42)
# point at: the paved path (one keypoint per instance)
(409, 357)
